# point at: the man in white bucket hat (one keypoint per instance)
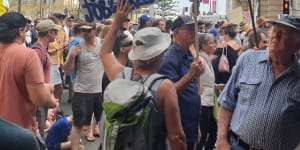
(147, 54)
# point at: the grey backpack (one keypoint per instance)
(132, 117)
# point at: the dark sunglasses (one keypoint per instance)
(130, 43)
(86, 30)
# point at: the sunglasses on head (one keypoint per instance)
(86, 30)
(130, 43)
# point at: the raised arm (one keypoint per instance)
(111, 65)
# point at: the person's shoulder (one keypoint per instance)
(254, 55)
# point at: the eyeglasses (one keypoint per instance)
(86, 30)
(130, 43)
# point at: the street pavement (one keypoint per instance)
(66, 108)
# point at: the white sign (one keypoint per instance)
(211, 18)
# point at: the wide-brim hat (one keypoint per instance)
(149, 43)
(290, 21)
(261, 20)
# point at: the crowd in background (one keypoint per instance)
(69, 49)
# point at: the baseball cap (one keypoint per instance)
(152, 42)
(12, 20)
(182, 20)
(215, 33)
(144, 18)
(290, 21)
(71, 18)
(59, 15)
(46, 25)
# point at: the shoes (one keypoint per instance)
(81, 147)
(89, 139)
(96, 135)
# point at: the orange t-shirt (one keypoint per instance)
(19, 66)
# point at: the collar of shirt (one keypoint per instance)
(183, 55)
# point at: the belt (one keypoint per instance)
(242, 143)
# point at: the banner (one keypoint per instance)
(214, 7)
(205, 1)
(97, 10)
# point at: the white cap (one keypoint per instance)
(149, 43)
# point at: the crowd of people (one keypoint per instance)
(255, 104)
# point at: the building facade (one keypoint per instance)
(269, 8)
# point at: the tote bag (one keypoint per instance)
(223, 64)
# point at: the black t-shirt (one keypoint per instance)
(232, 55)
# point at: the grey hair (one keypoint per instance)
(204, 39)
(251, 39)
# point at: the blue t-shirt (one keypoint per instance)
(75, 41)
(175, 65)
(59, 132)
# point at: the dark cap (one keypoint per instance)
(290, 21)
(59, 15)
(182, 20)
(12, 20)
(144, 18)
(70, 18)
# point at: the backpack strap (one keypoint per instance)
(44, 59)
(152, 79)
(127, 73)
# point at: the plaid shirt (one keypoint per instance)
(266, 111)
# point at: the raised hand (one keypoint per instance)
(123, 9)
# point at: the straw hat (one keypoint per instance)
(248, 29)
(261, 20)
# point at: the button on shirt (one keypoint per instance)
(175, 65)
(266, 111)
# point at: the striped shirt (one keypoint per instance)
(266, 111)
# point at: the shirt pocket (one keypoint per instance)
(247, 90)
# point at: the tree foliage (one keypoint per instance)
(166, 8)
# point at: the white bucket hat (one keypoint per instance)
(149, 43)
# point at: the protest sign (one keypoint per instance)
(97, 10)
(236, 15)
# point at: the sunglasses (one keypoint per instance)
(130, 43)
(86, 30)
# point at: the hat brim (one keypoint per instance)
(157, 49)
(57, 27)
(284, 23)
(85, 27)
